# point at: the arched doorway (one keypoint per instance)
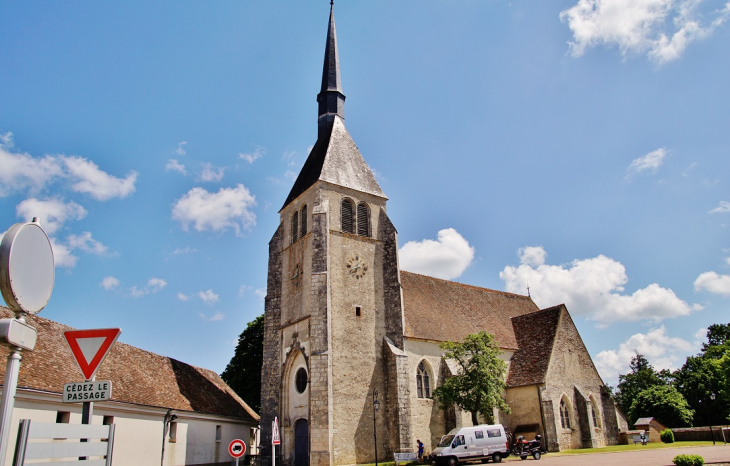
(301, 443)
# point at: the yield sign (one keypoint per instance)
(90, 347)
(275, 439)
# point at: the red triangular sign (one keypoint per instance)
(90, 347)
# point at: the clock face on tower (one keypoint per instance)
(356, 267)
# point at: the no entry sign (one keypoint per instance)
(237, 448)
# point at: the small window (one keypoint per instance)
(479, 434)
(423, 382)
(346, 215)
(301, 380)
(63, 417)
(294, 227)
(304, 221)
(108, 420)
(218, 433)
(492, 433)
(172, 434)
(363, 219)
(357, 311)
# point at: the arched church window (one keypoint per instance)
(294, 227)
(301, 380)
(595, 413)
(363, 219)
(304, 221)
(423, 382)
(564, 414)
(346, 214)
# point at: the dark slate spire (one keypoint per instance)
(330, 98)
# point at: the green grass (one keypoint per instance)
(632, 447)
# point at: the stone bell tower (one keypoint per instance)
(333, 312)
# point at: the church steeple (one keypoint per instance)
(330, 98)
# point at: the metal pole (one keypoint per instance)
(8, 402)
(375, 429)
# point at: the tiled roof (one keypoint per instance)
(443, 310)
(535, 334)
(137, 376)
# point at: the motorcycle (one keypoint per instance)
(524, 448)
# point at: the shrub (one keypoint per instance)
(667, 436)
(689, 460)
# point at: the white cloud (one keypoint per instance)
(97, 183)
(153, 286)
(253, 156)
(445, 258)
(51, 213)
(214, 318)
(175, 166)
(723, 208)
(19, 171)
(109, 283)
(649, 162)
(593, 288)
(86, 243)
(210, 174)
(661, 350)
(532, 255)
(290, 175)
(727, 260)
(660, 28)
(241, 289)
(185, 250)
(181, 148)
(228, 208)
(183, 297)
(62, 256)
(260, 292)
(714, 283)
(208, 297)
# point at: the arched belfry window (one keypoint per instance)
(564, 414)
(423, 381)
(304, 221)
(294, 227)
(346, 216)
(363, 219)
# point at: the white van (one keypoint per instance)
(482, 442)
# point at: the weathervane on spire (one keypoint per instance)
(332, 3)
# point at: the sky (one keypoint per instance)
(575, 147)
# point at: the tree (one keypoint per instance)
(663, 402)
(702, 378)
(478, 385)
(243, 373)
(641, 377)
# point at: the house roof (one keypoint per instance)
(645, 421)
(443, 310)
(138, 376)
(535, 333)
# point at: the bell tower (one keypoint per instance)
(333, 311)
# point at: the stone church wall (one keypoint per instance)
(572, 375)
(525, 405)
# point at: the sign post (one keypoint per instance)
(237, 448)
(275, 439)
(90, 348)
(26, 281)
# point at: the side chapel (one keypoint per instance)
(345, 326)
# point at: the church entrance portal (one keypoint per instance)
(301, 443)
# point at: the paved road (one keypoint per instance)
(659, 457)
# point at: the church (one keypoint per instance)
(351, 342)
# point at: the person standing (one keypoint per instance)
(420, 451)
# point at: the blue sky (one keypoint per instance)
(578, 146)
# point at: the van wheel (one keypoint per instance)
(452, 461)
(497, 458)
(536, 455)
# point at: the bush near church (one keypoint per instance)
(667, 436)
(688, 460)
